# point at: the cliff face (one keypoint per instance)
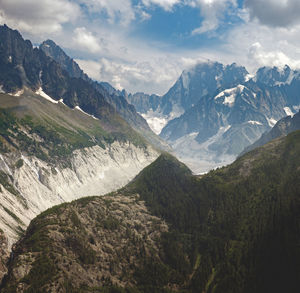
(36, 185)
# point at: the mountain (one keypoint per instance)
(59, 139)
(214, 111)
(231, 230)
(273, 76)
(144, 102)
(282, 128)
(113, 97)
(205, 78)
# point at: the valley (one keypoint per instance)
(106, 191)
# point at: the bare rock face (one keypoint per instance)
(37, 186)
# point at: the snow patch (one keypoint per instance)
(157, 121)
(254, 122)
(1, 90)
(18, 93)
(78, 108)
(271, 121)
(288, 111)
(45, 96)
(229, 95)
(248, 77)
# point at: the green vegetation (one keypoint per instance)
(235, 229)
(5, 181)
(51, 142)
(15, 217)
(19, 163)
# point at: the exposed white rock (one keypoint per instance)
(93, 171)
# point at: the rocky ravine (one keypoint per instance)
(28, 190)
(93, 171)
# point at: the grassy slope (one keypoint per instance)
(60, 129)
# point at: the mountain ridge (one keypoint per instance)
(214, 111)
(115, 98)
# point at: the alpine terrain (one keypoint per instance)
(60, 139)
(235, 229)
(91, 201)
(214, 111)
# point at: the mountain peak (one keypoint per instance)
(275, 75)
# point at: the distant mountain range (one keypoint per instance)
(213, 111)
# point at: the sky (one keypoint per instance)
(144, 45)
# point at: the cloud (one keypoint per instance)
(165, 4)
(255, 45)
(117, 11)
(270, 58)
(280, 13)
(136, 76)
(213, 11)
(38, 17)
(86, 40)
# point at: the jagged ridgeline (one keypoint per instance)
(23, 66)
(235, 229)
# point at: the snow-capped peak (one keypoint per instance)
(230, 95)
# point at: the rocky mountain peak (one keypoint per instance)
(273, 76)
(51, 49)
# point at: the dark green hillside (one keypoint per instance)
(240, 224)
(236, 229)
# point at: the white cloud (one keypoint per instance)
(86, 40)
(165, 4)
(213, 11)
(38, 17)
(118, 11)
(149, 76)
(281, 13)
(91, 68)
(269, 58)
